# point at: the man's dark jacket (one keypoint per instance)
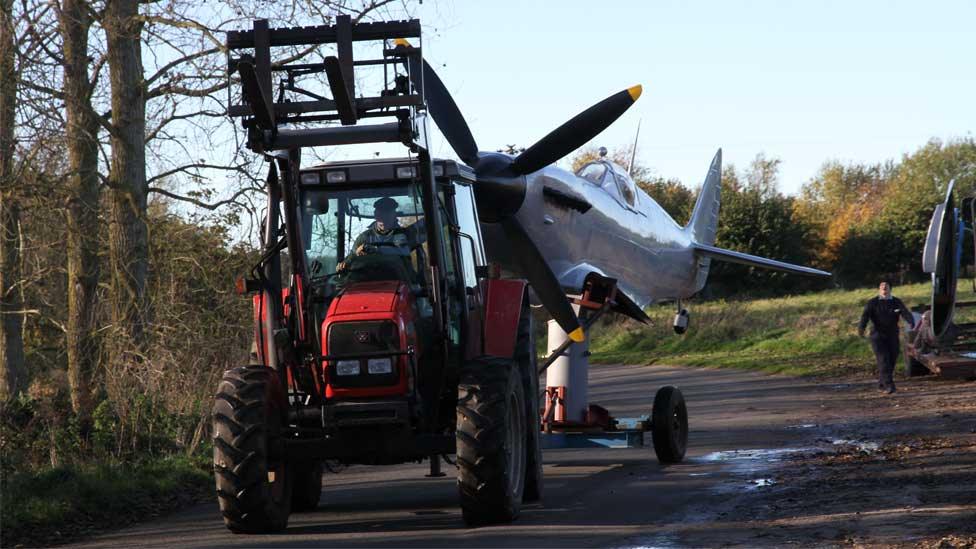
(883, 314)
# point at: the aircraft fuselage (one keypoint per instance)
(605, 225)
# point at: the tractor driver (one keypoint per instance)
(385, 235)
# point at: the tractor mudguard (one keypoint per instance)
(503, 306)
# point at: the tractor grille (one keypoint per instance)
(350, 339)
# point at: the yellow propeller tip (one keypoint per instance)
(635, 92)
(577, 335)
(402, 42)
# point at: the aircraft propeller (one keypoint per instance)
(500, 185)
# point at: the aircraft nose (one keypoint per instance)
(499, 197)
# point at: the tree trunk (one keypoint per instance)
(82, 189)
(13, 374)
(128, 238)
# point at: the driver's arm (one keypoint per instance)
(356, 247)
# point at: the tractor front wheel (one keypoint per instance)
(491, 441)
(307, 488)
(525, 357)
(253, 481)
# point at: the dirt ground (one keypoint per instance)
(773, 461)
(875, 470)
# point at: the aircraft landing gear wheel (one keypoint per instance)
(491, 441)
(253, 484)
(669, 425)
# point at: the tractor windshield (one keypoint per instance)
(364, 233)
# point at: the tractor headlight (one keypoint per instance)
(347, 368)
(379, 366)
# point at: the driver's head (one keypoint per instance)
(384, 211)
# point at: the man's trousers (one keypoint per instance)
(886, 349)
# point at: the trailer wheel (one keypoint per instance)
(525, 357)
(307, 487)
(669, 428)
(491, 437)
(253, 483)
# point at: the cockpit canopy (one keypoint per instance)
(613, 179)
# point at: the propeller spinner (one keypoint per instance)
(500, 177)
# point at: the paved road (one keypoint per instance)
(594, 498)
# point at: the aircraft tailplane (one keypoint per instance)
(732, 256)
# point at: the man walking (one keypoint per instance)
(883, 312)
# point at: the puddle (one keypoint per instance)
(698, 474)
(757, 454)
(861, 445)
(803, 426)
(758, 483)
(655, 541)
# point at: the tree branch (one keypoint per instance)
(201, 204)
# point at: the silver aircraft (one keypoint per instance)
(556, 227)
(598, 221)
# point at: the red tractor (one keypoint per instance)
(382, 334)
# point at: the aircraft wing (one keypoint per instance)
(755, 261)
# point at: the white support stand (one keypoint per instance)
(571, 370)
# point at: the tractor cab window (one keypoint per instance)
(593, 172)
(469, 234)
(364, 233)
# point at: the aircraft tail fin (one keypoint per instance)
(704, 218)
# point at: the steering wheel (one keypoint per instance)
(379, 245)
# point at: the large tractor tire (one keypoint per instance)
(307, 486)
(669, 425)
(525, 357)
(253, 484)
(491, 436)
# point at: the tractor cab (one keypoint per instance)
(365, 242)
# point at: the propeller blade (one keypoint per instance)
(444, 110)
(576, 132)
(448, 117)
(546, 286)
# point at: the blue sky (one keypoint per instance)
(802, 81)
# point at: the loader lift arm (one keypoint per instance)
(266, 118)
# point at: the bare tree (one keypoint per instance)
(128, 235)
(82, 184)
(13, 375)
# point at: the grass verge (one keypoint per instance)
(806, 335)
(70, 502)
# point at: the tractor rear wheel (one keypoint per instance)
(525, 357)
(307, 487)
(669, 425)
(491, 441)
(253, 483)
